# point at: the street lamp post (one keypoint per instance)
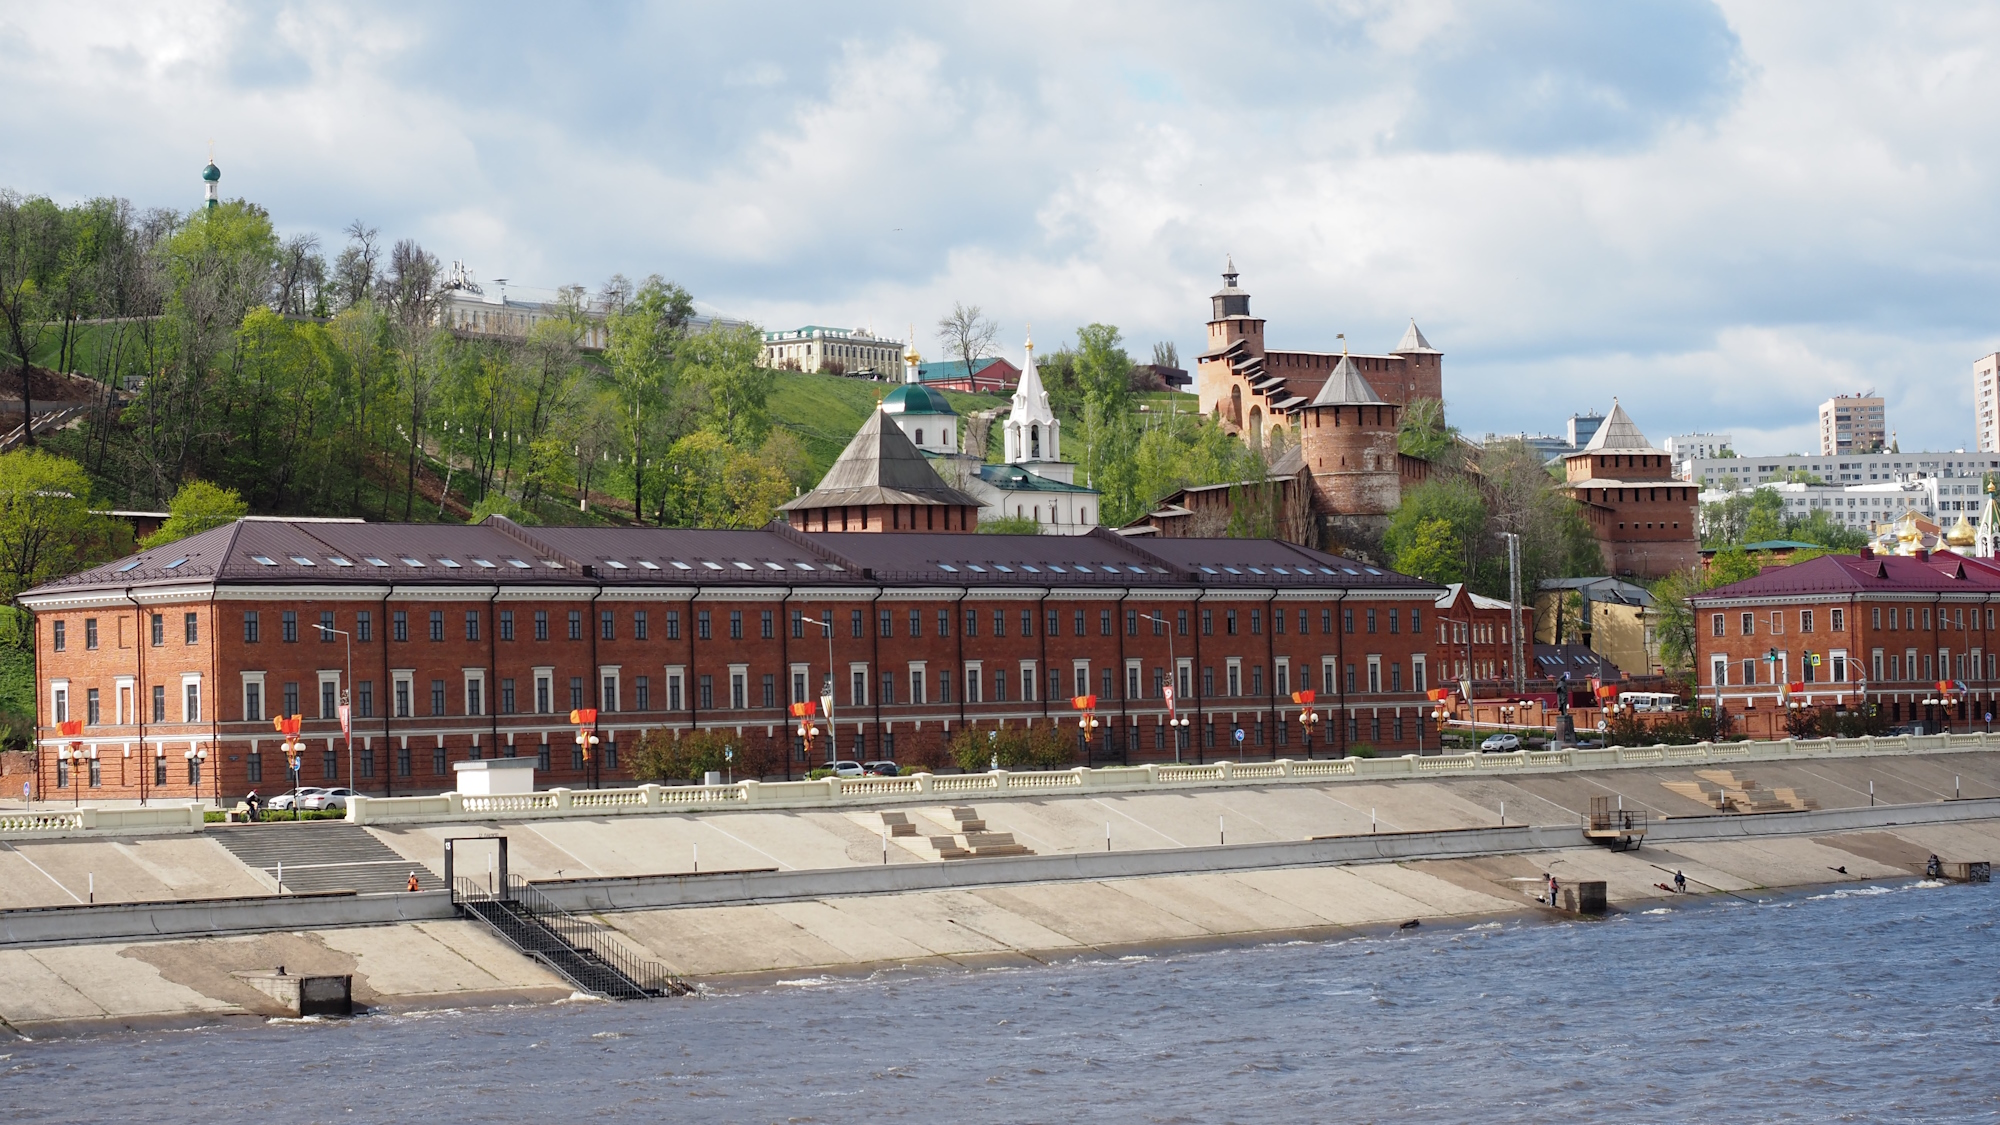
(826, 696)
(196, 757)
(1176, 722)
(1308, 718)
(346, 715)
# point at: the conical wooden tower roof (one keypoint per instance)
(880, 466)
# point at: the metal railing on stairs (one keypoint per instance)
(579, 950)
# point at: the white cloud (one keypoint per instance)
(1722, 219)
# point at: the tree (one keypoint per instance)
(1453, 502)
(1432, 551)
(1166, 354)
(46, 526)
(966, 333)
(199, 506)
(31, 245)
(1010, 525)
(1422, 432)
(728, 390)
(1110, 433)
(354, 270)
(646, 326)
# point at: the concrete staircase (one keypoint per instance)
(972, 840)
(322, 855)
(1723, 791)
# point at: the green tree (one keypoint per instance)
(33, 234)
(1434, 552)
(1422, 432)
(197, 507)
(730, 391)
(1010, 525)
(47, 530)
(1110, 433)
(645, 332)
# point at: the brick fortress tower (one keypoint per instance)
(1336, 412)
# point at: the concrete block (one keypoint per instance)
(303, 995)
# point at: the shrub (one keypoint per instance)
(664, 755)
(1361, 750)
(1045, 746)
(923, 753)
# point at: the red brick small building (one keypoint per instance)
(460, 642)
(1849, 628)
(1475, 636)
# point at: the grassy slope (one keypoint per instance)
(824, 411)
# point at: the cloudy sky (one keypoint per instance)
(1722, 214)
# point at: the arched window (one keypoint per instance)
(1256, 427)
(920, 435)
(1236, 405)
(1034, 443)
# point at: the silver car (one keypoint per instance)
(1502, 743)
(284, 800)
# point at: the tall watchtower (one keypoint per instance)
(1347, 435)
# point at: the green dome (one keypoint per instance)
(211, 173)
(915, 398)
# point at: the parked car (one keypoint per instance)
(881, 769)
(285, 800)
(326, 799)
(844, 769)
(1502, 743)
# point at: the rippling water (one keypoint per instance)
(1872, 1003)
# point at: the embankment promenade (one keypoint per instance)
(740, 882)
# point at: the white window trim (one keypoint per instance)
(860, 668)
(1080, 667)
(328, 677)
(122, 686)
(475, 676)
(917, 682)
(613, 672)
(193, 680)
(739, 678)
(263, 696)
(1029, 687)
(59, 700)
(1420, 673)
(1374, 681)
(676, 683)
(541, 678)
(407, 679)
(975, 686)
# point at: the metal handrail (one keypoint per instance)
(590, 942)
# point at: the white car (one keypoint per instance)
(845, 769)
(1502, 743)
(302, 793)
(326, 799)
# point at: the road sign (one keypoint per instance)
(1239, 734)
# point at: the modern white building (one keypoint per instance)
(1686, 447)
(1863, 507)
(1986, 400)
(1842, 469)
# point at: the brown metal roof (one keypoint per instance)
(1940, 572)
(276, 552)
(880, 466)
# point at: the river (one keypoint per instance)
(1870, 1003)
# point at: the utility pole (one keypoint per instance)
(1514, 607)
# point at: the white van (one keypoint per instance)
(1651, 700)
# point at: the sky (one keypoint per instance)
(1719, 214)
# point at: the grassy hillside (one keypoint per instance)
(825, 410)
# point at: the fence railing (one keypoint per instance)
(834, 792)
(592, 941)
(145, 819)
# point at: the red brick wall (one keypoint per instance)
(221, 655)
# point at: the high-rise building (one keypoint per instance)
(1852, 424)
(1985, 393)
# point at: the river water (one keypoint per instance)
(1872, 1003)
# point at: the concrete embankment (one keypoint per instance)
(828, 902)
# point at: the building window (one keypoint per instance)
(673, 625)
(642, 693)
(544, 690)
(1805, 621)
(770, 690)
(1715, 625)
(402, 699)
(506, 624)
(917, 685)
(327, 705)
(575, 624)
(916, 623)
(1347, 621)
(1748, 625)
(1371, 620)
(364, 698)
(437, 697)
(399, 625)
(159, 705)
(607, 625)
(59, 636)
(854, 625)
(159, 627)
(253, 702)
(292, 697)
(507, 696)
(191, 703)
(701, 625)
(250, 628)
(735, 624)
(1837, 619)
(541, 625)
(188, 623)
(639, 625)
(607, 693)
(885, 624)
(1207, 622)
(471, 624)
(707, 693)
(91, 712)
(768, 625)
(288, 627)
(475, 691)
(575, 693)
(1229, 622)
(364, 626)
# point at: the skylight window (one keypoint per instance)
(175, 563)
(552, 564)
(1003, 569)
(1349, 570)
(742, 565)
(649, 565)
(1371, 570)
(678, 564)
(413, 562)
(948, 566)
(1136, 570)
(1254, 570)
(615, 564)
(1325, 570)
(452, 563)
(803, 565)
(253, 558)
(372, 561)
(1029, 569)
(1057, 569)
(483, 564)
(136, 562)
(1232, 570)
(976, 567)
(711, 565)
(1279, 570)
(1209, 570)
(518, 564)
(774, 566)
(338, 561)
(303, 561)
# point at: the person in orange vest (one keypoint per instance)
(413, 880)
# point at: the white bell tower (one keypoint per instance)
(1033, 434)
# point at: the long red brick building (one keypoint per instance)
(460, 642)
